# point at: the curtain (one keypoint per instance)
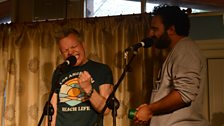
(29, 55)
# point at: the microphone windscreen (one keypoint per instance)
(147, 42)
(71, 60)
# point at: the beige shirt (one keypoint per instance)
(184, 70)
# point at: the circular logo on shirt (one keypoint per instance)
(71, 93)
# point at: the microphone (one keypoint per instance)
(146, 43)
(70, 61)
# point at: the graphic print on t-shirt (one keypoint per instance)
(71, 93)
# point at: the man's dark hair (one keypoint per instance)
(173, 15)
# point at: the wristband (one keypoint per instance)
(89, 94)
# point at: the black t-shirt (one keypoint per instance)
(73, 108)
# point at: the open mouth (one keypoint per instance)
(76, 56)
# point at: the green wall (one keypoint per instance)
(207, 26)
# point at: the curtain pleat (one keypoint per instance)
(29, 55)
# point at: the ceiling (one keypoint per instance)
(2, 1)
(210, 5)
(205, 4)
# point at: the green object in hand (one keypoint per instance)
(131, 113)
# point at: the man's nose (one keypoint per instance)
(70, 51)
(151, 33)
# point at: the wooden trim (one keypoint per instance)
(206, 14)
(212, 48)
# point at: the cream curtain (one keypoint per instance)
(29, 55)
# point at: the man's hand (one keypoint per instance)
(143, 114)
(85, 81)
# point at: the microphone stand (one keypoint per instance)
(48, 108)
(112, 102)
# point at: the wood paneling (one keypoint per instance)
(214, 91)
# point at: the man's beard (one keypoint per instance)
(163, 41)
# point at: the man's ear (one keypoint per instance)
(84, 44)
(171, 30)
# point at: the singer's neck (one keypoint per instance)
(83, 62)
